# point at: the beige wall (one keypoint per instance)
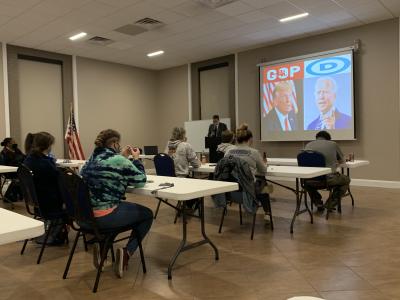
(376, 94)
(2, 109)
(119, 97)
(172, 101)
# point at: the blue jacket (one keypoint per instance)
(342, 121)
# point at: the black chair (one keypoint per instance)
(309, 158)
(33, 208)
(237, 197)
(75, 195)
(165, 166)
(219, 155)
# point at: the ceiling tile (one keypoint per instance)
(393, 6)
(235, 8)
(282, 10)
(191, 9)
(253, 16)
(261, 3)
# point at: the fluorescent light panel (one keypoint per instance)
(156, 53)
(295, 17)
(78, 36)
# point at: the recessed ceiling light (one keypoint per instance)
(295, 17)
(155, 53)
(78, 36)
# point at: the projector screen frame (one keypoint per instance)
(345, 50)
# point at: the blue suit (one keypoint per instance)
(273, 124)
(342, 121)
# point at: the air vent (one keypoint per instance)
(149, 23)
(215, 3)
(99, 40)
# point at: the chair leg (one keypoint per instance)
(240, 214)
(222, 219)
(340, 206)
(328, 205)
(112, 253)
(254, 225)
(46, 237)
(142, 256)
(24, 246)
(85, 242)
(157, 209)
(104, 251)
(71, 254)
(270, 214)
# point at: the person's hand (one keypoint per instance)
(329, 122)
(126, 151)
(135, 152)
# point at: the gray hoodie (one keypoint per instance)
(251, 156)
(183, 155)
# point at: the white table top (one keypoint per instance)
(15, 227)
(184, 188)
(146, 156)
(278, 171)
(275, 161)
(8, 169)
(70, 163)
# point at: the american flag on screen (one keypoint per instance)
(268, 103)
(72, 139)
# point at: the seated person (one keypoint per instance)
(12, 156)
(243, 150)
(333, 157)
(45, 176)
(228, 140)
(183, 155)
(108, 173)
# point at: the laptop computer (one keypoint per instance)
(150, 150)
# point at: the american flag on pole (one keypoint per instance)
(72, 139)
(268, 101)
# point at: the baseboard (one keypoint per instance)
(357, 182)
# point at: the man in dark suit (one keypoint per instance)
(330, 117)
(216, 128)
(282, 117)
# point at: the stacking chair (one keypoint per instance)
(237, 197)
(75, 195)
(309, 158)
(32, 205)
(165, 166)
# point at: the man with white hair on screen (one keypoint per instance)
(329, 116)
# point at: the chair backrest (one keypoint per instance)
(150, 150)
(25, 176)
(164, 165)
(219, 155)
(309, 158)
(76, 197)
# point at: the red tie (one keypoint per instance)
(286, 124)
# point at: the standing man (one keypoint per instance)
(329, 116)
(216, 128)
(337, 181)
(282, 116)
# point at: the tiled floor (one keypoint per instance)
(352, 256)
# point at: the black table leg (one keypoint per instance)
(183, 246)
(298, 203)
(203, 229)
(348, 190)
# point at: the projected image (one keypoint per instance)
(303, 96)
(281, 106)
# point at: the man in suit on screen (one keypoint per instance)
(282, 117)
(216, 128)
(330, 117)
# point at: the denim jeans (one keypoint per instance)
(127, 213)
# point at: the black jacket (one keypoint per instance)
(45, 176)
(216, 133)
(234, 169)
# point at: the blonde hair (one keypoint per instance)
(178, 133)
(106, 137)
(282, 86)
(243, 133)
